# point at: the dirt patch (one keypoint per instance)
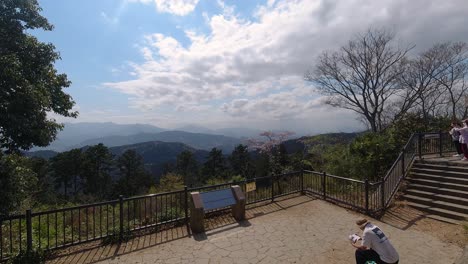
(407, 218)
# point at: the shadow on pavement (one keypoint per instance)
(214, 224)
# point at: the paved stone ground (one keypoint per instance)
(296, 230)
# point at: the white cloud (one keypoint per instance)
(108, 19)
(253, 69)
(176, 7)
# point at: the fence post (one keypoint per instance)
(324, 185)
(28, 230)
(121, 217)
(272, 188)
(403, 162)
(302, 182)
(186, 209)
(366, 190)
(440, 143)
(382, 193)
(420, 145)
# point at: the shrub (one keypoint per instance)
(29, 257)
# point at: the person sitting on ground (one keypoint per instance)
(375, 245)
(456, 138)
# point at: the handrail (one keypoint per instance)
(151, 195)
(409, 141)
(393, 166)
(77, 207)
(344, 178)
(336, 177)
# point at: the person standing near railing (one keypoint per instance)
(456, 138)
(464, 138)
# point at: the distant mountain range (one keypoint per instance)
(75, 133)
(156, 152)
(81, 134)
(237, 132)
(194, 140)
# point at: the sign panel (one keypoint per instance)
(217, 199)
(250, 187)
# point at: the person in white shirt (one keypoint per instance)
(464, 138)
(375, 245)
(456, 138)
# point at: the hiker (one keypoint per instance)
(456, 138)
(375, 245)
(464, 138)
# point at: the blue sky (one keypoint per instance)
(221, 63)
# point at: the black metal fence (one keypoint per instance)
(54, 229)
(60, 228)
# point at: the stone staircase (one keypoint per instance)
(439, 188)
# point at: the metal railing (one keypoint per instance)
(418, 145)
(54, 229)
(60, 228)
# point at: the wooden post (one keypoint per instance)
(197, 214)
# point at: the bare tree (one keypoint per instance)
(452, 75)
(362, 76)
(418, 79)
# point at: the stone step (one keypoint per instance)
(436, 196)
(439, 167)
(443, 219)
(438, 190)
(443, 179)
(439, 212)
(447, 161)
(444, 172)
(434, 202)
(439, 184)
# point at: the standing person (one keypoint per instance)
(456, 138)
(464, 138)
(375, 245)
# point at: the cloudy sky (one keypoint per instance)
(224, 63)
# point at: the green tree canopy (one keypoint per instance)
(17, 181)
(66, 168)
(240, 161)
(187, 166)
(97, 166)
(30, 86)
(134, 179)
(214, 166)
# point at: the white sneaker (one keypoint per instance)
(457, 155)
(464, 158)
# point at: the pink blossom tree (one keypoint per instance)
(270, 147)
